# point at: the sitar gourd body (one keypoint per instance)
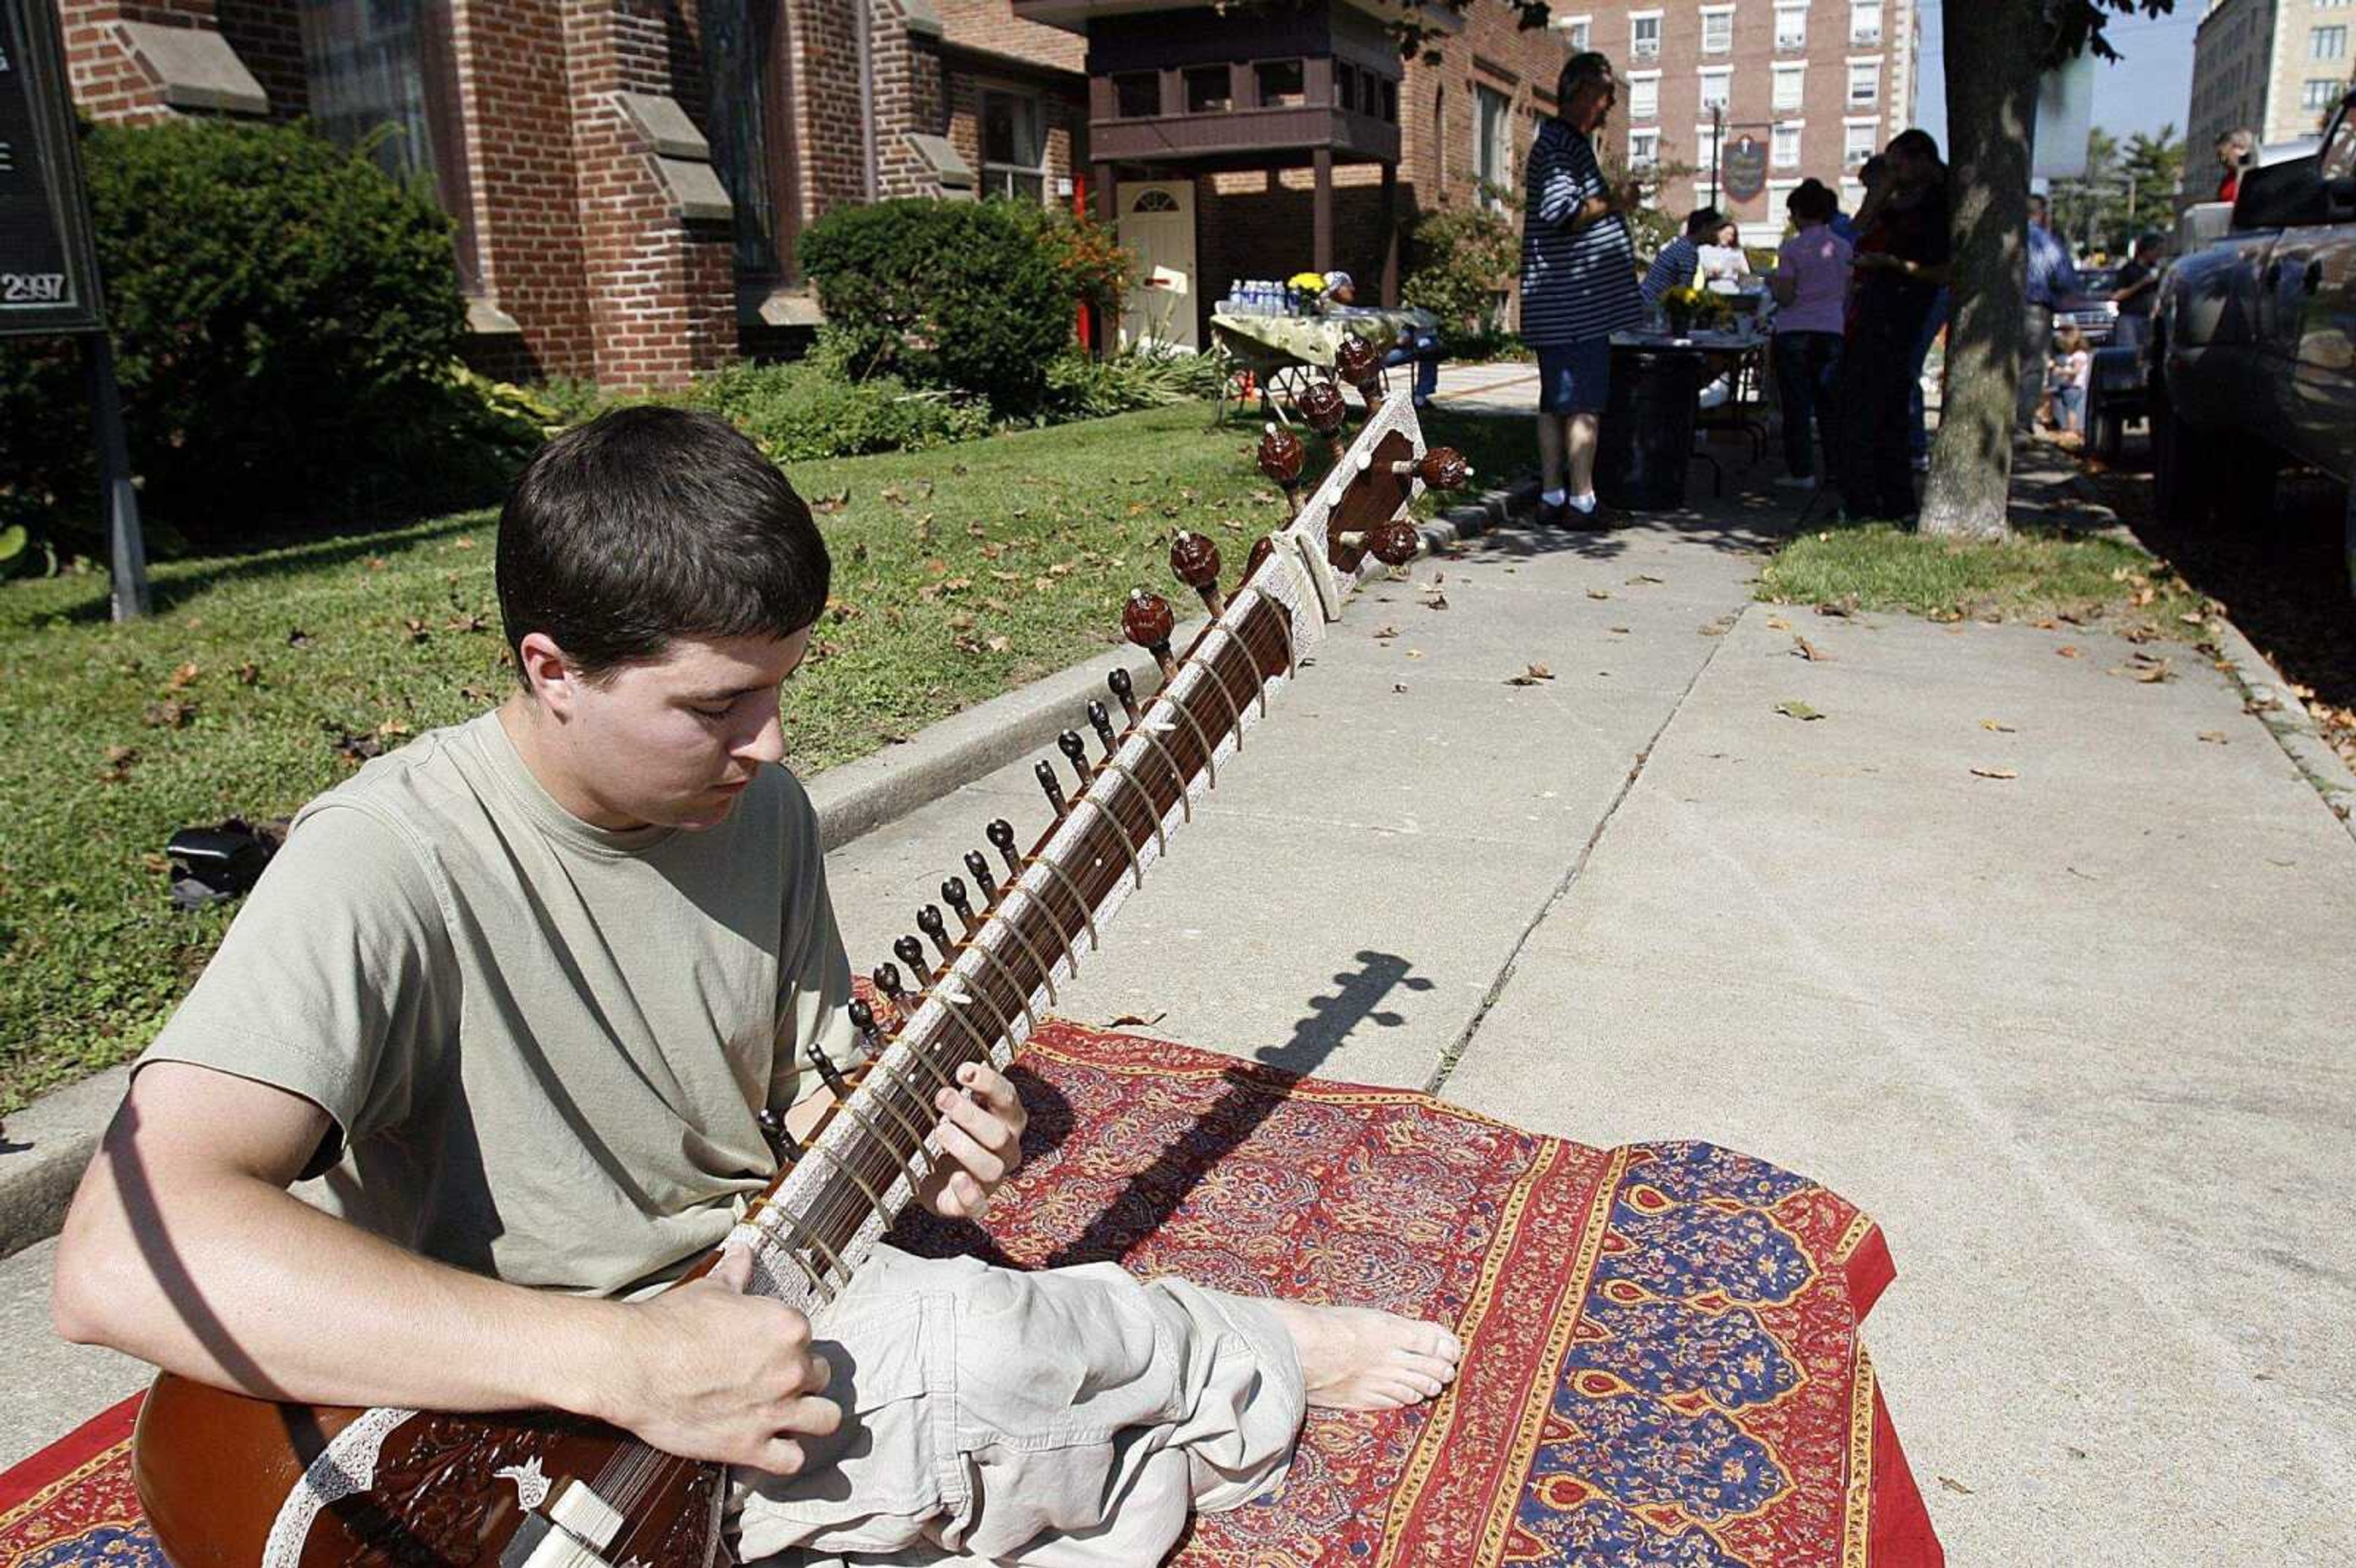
(230, 1482)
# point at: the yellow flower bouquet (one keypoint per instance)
(1688, 307)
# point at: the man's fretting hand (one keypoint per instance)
(709, 1372)
(981, 1142)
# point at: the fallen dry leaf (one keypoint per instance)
(1809, 651)
(462, 544)
(1954, 1485)
(1384, 634)
(248, 673)
(1998, 725)
(1617, 631)
(997, 645)
(1135, 1020)
(834, 503)
(414, 629)
(1796, 709)
(2071, 651)
(2214, 737)
(894, 494)
(1646, 577)
(1531, 675)
(1994, 774)
(1436, 602)
(183, 678)
(1599, 593)
(1777, 623)
(172, 714)
(1398, 686)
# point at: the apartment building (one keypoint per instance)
(1800, 88)
(2276, 67)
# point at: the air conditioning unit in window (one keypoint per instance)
(1865, 34)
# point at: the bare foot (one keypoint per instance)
(1352, 1358)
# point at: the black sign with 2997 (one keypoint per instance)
(47, 279)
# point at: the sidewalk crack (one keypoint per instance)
(1455, 1051)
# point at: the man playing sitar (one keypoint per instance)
(512, 1003)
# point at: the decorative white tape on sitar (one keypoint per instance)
(345, 1467)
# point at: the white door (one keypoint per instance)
(1157, 226)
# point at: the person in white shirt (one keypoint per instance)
(1723, 264)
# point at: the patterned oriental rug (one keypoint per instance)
(1662, 1366)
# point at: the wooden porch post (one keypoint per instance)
(1390, 237)
(1321, 222)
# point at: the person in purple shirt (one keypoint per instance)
(1810, 283)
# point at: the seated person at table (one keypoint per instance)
(519, 994)
(1417, 346)
(1680, 258)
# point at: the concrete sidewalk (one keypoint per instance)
(2077, 1037)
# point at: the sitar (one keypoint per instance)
(230, 1482)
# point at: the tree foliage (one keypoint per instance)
(2125, 190)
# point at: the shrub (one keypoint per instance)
(1463, 263)
(797, 413)
(285, 319)
(1140, 376)
(970, 296)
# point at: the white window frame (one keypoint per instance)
(1636, 49)
(1857, 9)
(1798, 129)
(1850, 126)
(1641, 109)
(1638, 160)
(1577, 31)
(993, 171)
(1721, 14)
(1496, 149)
(1797, 75)
(2337, 33)
(1724, 76)
(1702, 151)
(1796, 39)
(2320, 91)
(1849, 88)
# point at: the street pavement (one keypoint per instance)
(2042, 965)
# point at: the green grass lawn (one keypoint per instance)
(2038, 574)
(959, 573)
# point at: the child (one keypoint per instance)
(2073, 372)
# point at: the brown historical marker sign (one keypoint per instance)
(48, 276)
(1746, 168)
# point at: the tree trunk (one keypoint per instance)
(1995, 50)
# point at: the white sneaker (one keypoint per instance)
(1796, 482)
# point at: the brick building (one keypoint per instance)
(2274, 67)
(626, 177)
(1814, 85)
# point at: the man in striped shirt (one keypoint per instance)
(1579, 285)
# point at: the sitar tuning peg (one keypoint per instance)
(1148, 623)
(1195, 561)
(1102, 722)
(1125, 692)
(1000, 834)
(930, 921)
(1045, 774)
(1075, 751)
(977, 866)
(773, 1133)
(1280, 458)
(828, 1073)
(863, 1018)
(953, 894)
(1394, 543)
(887, 982)
(1360, 363)
(911, 951)
(1324, 410)
(1441, 468)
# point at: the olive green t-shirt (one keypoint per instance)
(544, 1044)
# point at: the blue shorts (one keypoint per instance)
(1575, 377)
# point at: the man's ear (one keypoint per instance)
(554, 679)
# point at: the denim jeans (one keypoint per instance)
(1426, 355)
(1805, 365)
(2069, 408)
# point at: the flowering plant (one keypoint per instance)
(1689, 306)
(1307, 283)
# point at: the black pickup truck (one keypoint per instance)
(2251, 363)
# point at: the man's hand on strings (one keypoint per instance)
(708, 1371)
(981, 1142)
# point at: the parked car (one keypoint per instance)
(2252, 364)
(2090, 310)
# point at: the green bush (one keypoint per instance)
(1462, 262)
(1140, 376)
(797, 413)
(969, 296)
(285, 318)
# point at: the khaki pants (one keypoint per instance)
(1066, 1419)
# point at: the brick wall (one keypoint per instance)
(1062, 105)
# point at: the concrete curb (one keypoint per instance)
(2264, 691)
(41, 1158)
(47, 1143)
